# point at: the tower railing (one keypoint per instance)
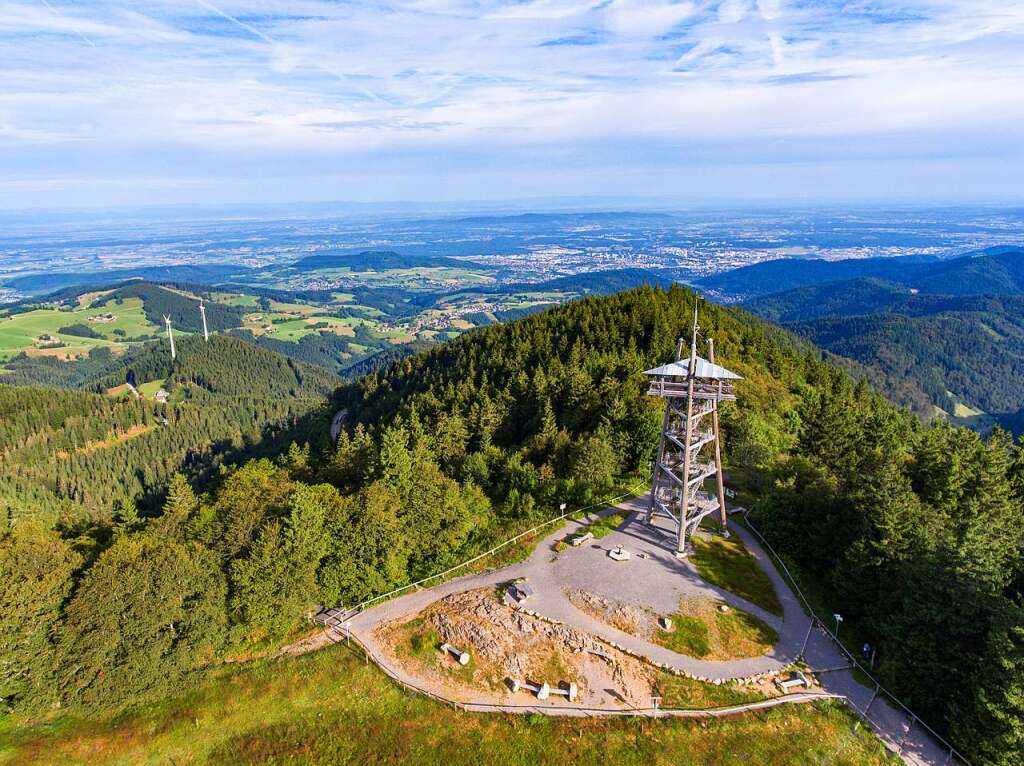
(692, 389)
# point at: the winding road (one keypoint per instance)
(336, 423)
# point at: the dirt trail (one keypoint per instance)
(506, 644)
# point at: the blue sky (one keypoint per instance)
(113, 103)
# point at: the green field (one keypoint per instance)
(235, 299)
(331, 708)
(21, 332)
(293, 326)
(148, 390)
(35, 332)
(728, 564)
(420, 278)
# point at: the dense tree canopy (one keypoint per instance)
(146, 613)
(36, 570)
(915, 532)
(68, 452)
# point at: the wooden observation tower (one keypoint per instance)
(690, 452)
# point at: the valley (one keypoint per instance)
(944, 338)
(479, 397)
(519, 382)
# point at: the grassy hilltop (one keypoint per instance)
(912, 532)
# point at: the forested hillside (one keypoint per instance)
(867, 295)
(160, 301)
(379, 260)
(72, 452)
(914, 531)
(961, 353)
(231, 367)
(38, 284)
(790, 273)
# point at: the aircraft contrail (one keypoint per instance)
(74, 29)
(268, 39)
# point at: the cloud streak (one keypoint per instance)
(344, 80)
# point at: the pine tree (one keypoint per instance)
(126, 517)
(179, 507)
(395, 460)
(36, 569)
(992, 719)
(276, 584)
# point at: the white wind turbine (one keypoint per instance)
(170, 335)
(202, 312)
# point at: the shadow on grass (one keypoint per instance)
(727, 564)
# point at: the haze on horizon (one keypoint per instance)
(216, 101)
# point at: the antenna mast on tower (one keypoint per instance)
(692, 388)
(202, 312)
(170, 335)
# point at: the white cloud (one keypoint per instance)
(769, 9)
(647, 18)
(316, 76)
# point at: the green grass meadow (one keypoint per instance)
(727, 564)
(19, 332)
(331, 708)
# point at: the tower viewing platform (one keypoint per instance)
(689, 452)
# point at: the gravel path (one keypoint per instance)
(658, 579)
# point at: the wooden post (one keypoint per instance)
(803, 648)
(684, 507)
(874, 696)
(718, 444)
(661, 443)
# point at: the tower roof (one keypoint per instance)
(704, 369)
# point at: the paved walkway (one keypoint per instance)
(658, 579)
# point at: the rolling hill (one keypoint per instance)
(534, 410)
(789, 273)
(71, 336)
(74, 452)
(48, 282)
(962, 353)
(1000, 273)
(381, 260)
(173, 301)
(453, 448)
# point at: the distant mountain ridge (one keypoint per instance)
(986, 272)
(48, 282)
(940, 342)
(863, 295)
(380, 260)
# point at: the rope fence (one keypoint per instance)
(817, 623)
(333, 625)
(334, 618)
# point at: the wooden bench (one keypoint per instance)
(580, 539)
(795, 680)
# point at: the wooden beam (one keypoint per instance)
(718, 445)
